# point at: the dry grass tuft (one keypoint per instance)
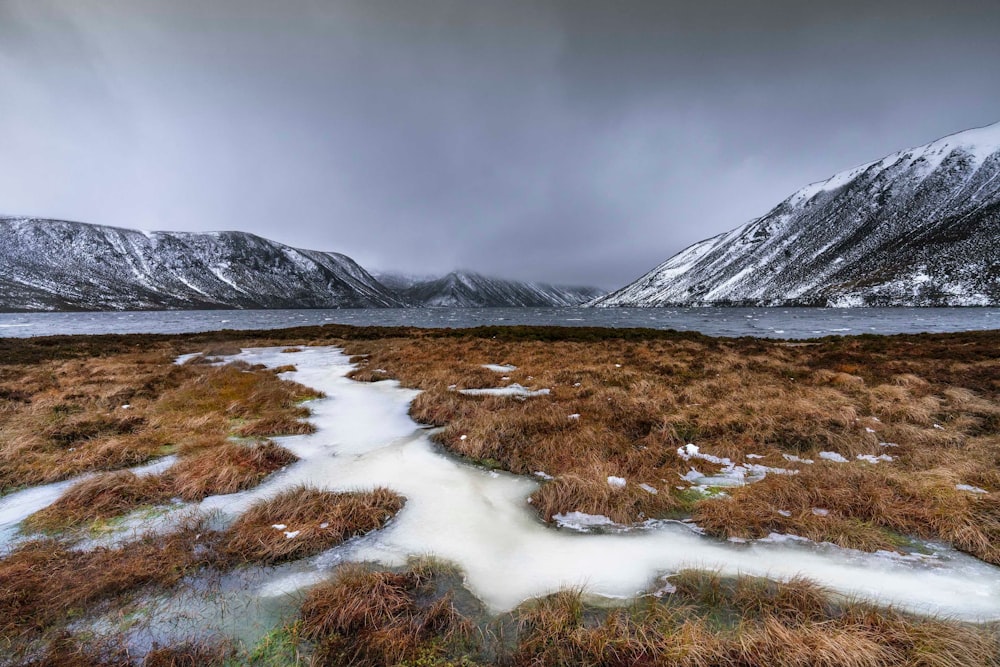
(590, 492)
(315, 521)
(191, 654)
(81, 415)
(228, 468)
(100, 498)
(270, 426)
(366, 617)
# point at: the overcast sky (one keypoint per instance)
(573, 142)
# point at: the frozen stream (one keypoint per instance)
(481, 521)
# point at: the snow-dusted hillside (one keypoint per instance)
(58, 265)
(918, 228)
(464, 289)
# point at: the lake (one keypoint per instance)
(763, 322)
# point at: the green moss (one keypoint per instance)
(278, 648)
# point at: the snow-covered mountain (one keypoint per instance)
(918, 228)
(465, 289)
(58, 265)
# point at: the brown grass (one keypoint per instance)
(369, 617)
(43, 582)
(268, 426)
(190, 654)
(639, 400)
(100, 498)
(322, 520)
(740, 622)
(366, 617)
(228, 468)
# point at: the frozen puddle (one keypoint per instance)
(481, 521)
(18, 506)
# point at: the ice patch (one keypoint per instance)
(515, 390)
(731, 474)
(832, 456)
(871, 458)
(616, 482)
(184, 358)
(648, 489)
(581, 521)
(500, 368)
(970, 488)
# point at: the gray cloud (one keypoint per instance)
(571, 141)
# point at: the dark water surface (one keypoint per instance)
(765, 322)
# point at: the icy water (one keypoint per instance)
(767, 322)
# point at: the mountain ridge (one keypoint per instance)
(65, 265)
(468, 289)
(60, 265)
(917, 228)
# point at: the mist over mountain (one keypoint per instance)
(467, 289)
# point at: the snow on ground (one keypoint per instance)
(731, 473)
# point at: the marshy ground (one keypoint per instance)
(903, 435)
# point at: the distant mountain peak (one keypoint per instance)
(918, 227)
(464, 288)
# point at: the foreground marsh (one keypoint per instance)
(479, 519)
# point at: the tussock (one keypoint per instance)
(367, 617)
(100, 497)
(312, 521)
(227, 468)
